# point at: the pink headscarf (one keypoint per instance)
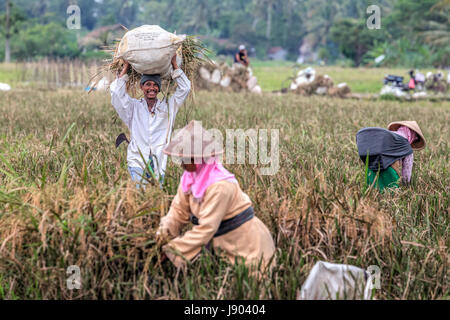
(407, 133)
(205, 175)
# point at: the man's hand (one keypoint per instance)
(174, 62)
(162, 235)
(126, 66)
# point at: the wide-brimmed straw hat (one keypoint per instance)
(416, 145)
(193, 141)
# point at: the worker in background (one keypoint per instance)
(242, 56)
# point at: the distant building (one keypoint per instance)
(277, 53)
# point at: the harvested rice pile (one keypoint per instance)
(213, 76)
(308, 83)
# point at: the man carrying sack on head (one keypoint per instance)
(149, 119)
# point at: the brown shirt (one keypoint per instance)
(222, 200)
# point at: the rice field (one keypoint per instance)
(66, 199)
(271, 75)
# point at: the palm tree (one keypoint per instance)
(437, 31)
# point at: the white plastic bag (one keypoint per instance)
(329, 281)
(149, 49)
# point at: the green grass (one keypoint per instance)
(10, 74)
(274, 75)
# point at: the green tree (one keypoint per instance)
(354, 38)
(9, 22)
(51, 40)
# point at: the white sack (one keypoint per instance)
(257, 90)
(305, 76)
(396, 91)
(251, 83)
(225, 82)
(294, 86)
(215, 76)
(321, 90)
(329, 281)
(307, 72)
(205, 74)
(420, 77)
(149, 49)
(421, 94)
(4, 87)
(103, 84)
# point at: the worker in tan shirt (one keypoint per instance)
(210, 197)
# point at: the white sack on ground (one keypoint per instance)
(257, 89)
(305, 76)
(321, 90)
(4, 87)
(225, 82)
(421, 94)
(215, 76)
(396, 91)
(293, 86)
(251, 83)
(329, 281)
(149, 49)
(205, 74)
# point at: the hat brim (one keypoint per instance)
(416, 145)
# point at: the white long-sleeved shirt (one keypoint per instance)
(149, 133)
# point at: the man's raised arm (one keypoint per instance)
(183, 84)
(120, 99)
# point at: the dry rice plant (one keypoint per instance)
(66, 199)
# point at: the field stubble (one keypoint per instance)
(66, 199)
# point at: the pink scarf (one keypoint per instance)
(407, 133)
(205, 175)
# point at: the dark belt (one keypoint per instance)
(230, 224)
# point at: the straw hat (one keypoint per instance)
(416, 145)
(193, 141)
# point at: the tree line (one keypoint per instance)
(413, 33)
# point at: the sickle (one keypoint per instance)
(121, 138)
